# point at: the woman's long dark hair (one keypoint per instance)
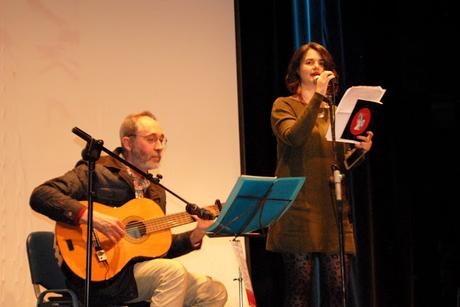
(292, 78)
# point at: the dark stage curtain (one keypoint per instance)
(405, 210)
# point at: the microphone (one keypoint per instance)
(200, 212)
(331, 88)
(82, 134)
(332, 82)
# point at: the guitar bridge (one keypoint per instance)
(100, 254)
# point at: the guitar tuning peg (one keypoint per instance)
(218, 204)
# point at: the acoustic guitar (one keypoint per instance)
(147, 234)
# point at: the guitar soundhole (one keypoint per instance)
(136, 229)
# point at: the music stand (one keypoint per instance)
(254, 203)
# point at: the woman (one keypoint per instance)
(310, 227)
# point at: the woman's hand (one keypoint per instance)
(322, 81)
(366, 141)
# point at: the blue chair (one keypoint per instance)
(47, 279)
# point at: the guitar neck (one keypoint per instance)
(168, 221)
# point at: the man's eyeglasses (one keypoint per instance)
(152, 138)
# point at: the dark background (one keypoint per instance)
(405, 205)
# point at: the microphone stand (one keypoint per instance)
(336, 179)
(190, 207)
(91, 153)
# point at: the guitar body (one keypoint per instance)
(140, 240)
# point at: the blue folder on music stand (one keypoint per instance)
(254, 203)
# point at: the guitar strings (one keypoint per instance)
(160, 223)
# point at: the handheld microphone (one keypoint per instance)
(330, 92)
(330, 86)
(331, 83)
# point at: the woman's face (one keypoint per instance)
(311, 66)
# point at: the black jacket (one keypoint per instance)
(59, 199)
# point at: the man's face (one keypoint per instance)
(147, 145)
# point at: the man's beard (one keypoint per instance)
(144, 160)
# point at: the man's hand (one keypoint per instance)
(199, 232)
(111, 227)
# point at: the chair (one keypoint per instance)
(47, 279)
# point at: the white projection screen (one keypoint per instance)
(87, 64)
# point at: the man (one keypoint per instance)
(160, 281)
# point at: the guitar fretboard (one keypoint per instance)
(160, 223)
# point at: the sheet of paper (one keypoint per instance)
(347, 104)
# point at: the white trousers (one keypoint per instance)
(166, 283)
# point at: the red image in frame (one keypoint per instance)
(360, 121)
